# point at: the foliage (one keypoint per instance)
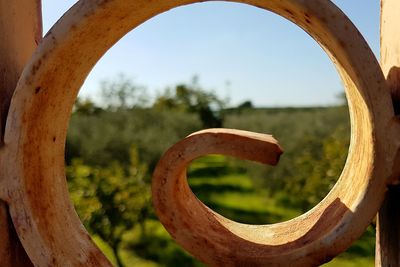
(315, 143)
(105, 137)
(190, 98)
(86, 107)
(245, 105)
(110, 186)
(122, 93)
(317, 168)
(110, 200)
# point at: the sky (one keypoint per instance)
(238, 51)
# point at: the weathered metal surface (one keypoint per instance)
(32, 178)
(388, 221)
(20, 31)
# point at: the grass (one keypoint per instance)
(246, 203)
(128, 257)
(353, 262)
(232, 194)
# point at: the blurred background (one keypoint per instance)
(202, 66)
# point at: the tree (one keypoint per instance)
(192, 98)
(245, 105)
(317, 167)
(99, 140)
(110, 200)
(86, 107)
(122, 93)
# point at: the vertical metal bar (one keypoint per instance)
(20, 31)
(12, 253)
(388, 230)
(388, 223)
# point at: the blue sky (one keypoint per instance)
(236, 50)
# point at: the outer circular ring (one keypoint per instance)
(37, 123)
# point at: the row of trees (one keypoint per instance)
(113, 147)
(315, 143)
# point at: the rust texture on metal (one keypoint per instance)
(388, 220)
(33, 184)
(20, 32)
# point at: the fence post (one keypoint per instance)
(388, 223)
(20, 31)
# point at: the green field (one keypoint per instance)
(234, 195)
